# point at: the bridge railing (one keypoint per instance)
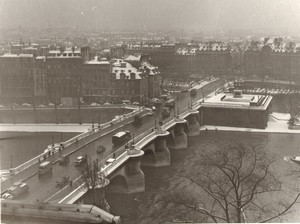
(76, 139)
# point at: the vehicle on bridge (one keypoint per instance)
(81, 160)
(100, 148)
(45, 167)
(170, 103)
(165, 112)
(64, 160)
(193, 92)
(121, 137)
(137, 120)
(63, 182)
(16, 190)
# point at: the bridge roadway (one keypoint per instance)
(44, 189)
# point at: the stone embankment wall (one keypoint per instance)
(62, 115)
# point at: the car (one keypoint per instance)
(95, 104)
(80, 160)
(110, 160)
(64, 160)
(136, 103)
(26, 104)
(17, 189)
(151, 113)
(7, 196)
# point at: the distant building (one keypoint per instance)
(40, 81)
(152, 73)
(161, 55)
(211, 58)
(64, 76)
(17, 78)
(273, 57)
(236, 110)
(96, 81)
(127, 82)
(117, 51)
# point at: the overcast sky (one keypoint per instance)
(154, 14)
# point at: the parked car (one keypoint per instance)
(17, 189)
(80, 160)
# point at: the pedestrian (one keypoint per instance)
(71, 183)
(45, 157)
(39, 160)
(114, 155)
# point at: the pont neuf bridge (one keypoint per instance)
(151, 147)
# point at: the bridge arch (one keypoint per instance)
(118, 184)
(149, 156)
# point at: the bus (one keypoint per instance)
(170, 103)
(121, 137)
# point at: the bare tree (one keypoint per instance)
(94, 182)
(232, 183)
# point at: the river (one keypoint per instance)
(18, 147)
(142, 208)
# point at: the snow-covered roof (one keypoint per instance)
(9, 55)
(95, 61)
(132, 58)
(245, 101)
(121, 67)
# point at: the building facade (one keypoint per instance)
(96, 81)
(127, 82)
(273, 57)
(64, 77)
(17, 78)
(236, 110)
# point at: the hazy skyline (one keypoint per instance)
(211, 15)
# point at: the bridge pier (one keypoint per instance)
(157, 153)
(162, 153)
(130, 178)
(193, 124)
(180, 137)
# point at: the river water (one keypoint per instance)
(143, 208)
(18, 147)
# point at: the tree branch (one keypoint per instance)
(284, 211)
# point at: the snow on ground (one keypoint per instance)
(274, 126)
(45, 127)
(281, 116)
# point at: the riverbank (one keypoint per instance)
(277, 124)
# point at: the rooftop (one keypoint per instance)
(120, 67)
(95, 61)
(239, 101)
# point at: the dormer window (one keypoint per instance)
(132, 76)
(122, 75)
